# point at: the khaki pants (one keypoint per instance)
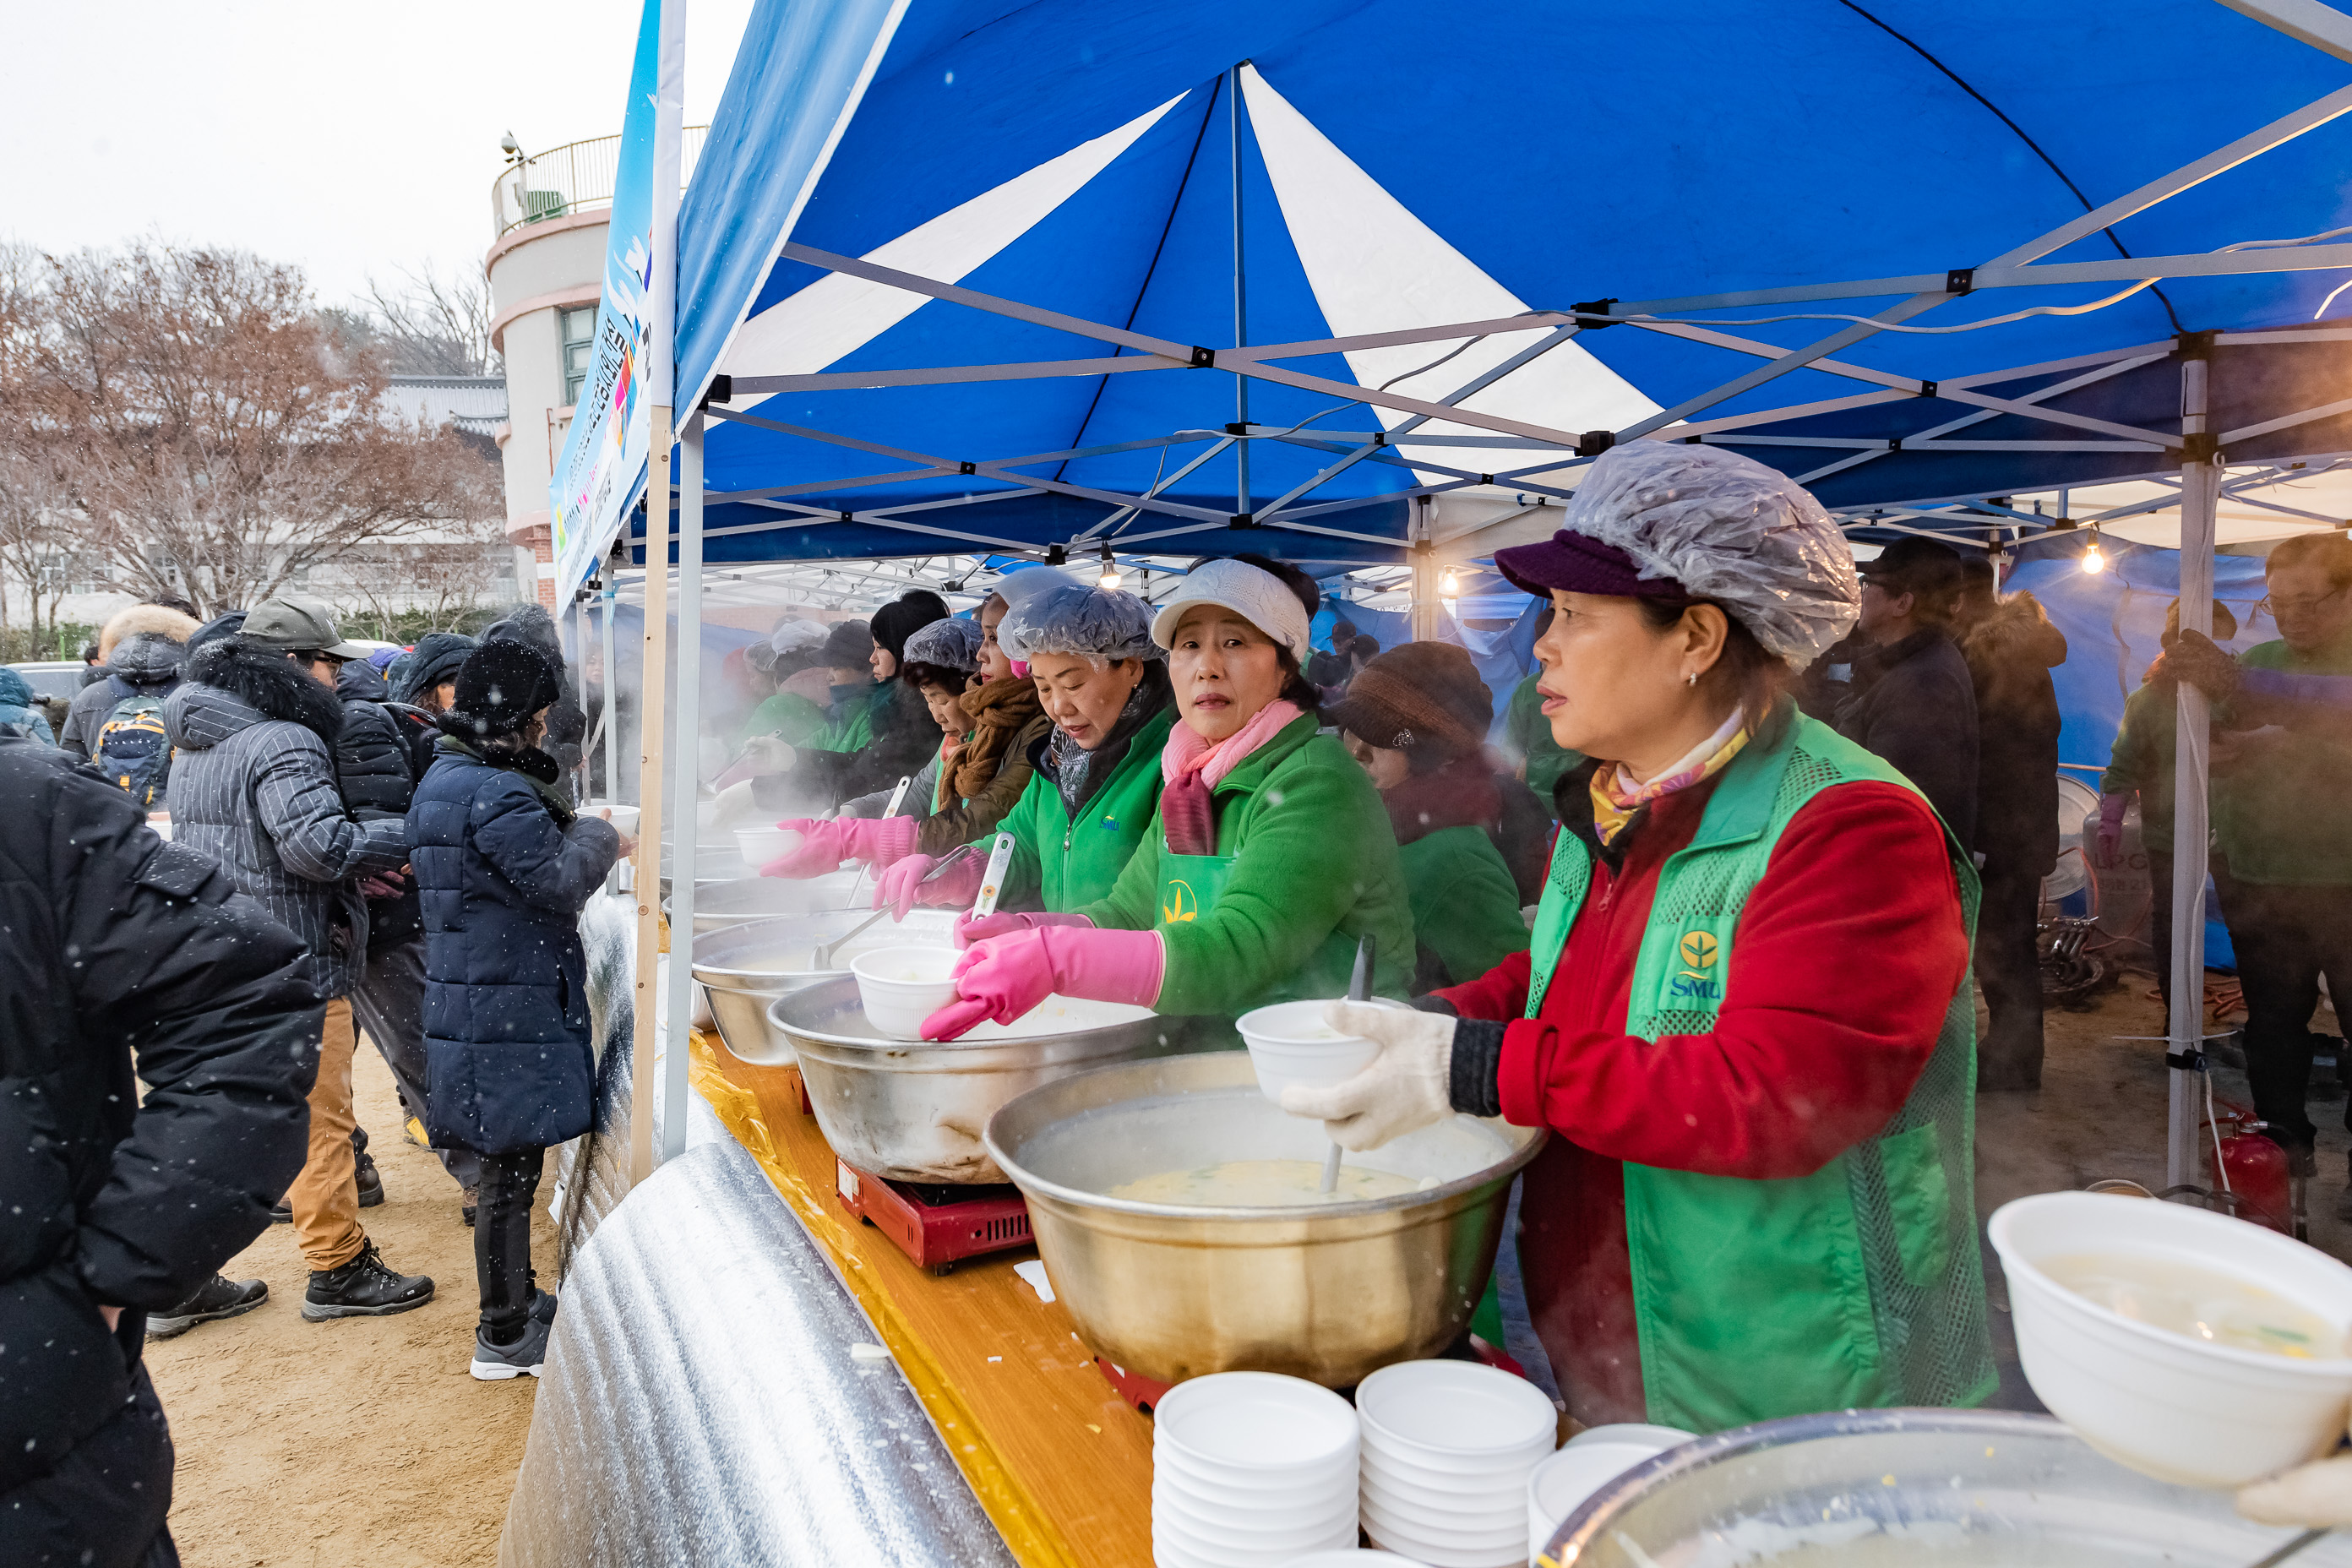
(325, 1198)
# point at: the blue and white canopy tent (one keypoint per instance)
(1368, 280)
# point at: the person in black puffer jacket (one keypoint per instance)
(505, 869)
(374, 765)
(123, 949)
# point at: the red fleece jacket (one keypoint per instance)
(1847, 953)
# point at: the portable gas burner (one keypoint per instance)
(936, 1225)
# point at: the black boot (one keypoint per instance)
(363, 1288)
(215, 1299)
(371, 1182)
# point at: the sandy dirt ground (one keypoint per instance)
(361, 1440)
(365, 1440)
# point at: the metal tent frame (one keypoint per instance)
(2185, 453)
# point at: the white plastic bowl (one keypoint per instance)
(1556, 1485)
(1261, 1420)
(1215, 1536)
(760, 844)
(1289, 1043)
(1252, 1485)
(1322, 1500)
(1659, 1438)
(2170, 1406)
(1438, 1552)
(1505, 1533)
(901, 986)
(625, 817)
(1465, 1497)
(1350, 1557)
(1441, 1410)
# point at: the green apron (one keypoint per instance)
(1189, 885)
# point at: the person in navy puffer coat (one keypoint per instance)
(503, 868)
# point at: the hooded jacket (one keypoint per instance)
(433, 662)
(144, 661)
(375, 770)
(119, 946)
(504, 873)
(16, 709)
(254, 787)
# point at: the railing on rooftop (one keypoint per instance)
(573, 178)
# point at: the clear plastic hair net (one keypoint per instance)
(950, 643)
(1728, 529)
(798, 636)
(1093, 623)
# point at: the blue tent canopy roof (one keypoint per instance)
(1408, 166)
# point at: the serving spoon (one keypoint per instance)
(1360, 989)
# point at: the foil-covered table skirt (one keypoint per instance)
(701, 1404)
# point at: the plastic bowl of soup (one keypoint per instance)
(901, 986)
(1289, 1043)
(2195, 1348)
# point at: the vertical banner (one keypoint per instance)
(604, 452)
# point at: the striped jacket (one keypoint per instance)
(253, 786)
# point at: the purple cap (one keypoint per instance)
(1579, 564)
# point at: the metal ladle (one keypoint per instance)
(1360, 989)
(822, 958)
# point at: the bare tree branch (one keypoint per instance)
(428, 325)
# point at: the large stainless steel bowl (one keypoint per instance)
(720, 904)
(912, 1109)
(1329, 1291)
(1952, 1489)
(744, 967)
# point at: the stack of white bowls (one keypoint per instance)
(1251, 1469)
(1447, 1450)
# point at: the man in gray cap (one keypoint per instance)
(253, 786)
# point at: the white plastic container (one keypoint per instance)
(901, 986)
(625, 817)
(1561, 1483)
(1289, 1043)
(1251, 1469)
(1656, 1438)
(1447, 1450)
(760, 844)
(2176, 1408)
(1350, 1557)
(1453, 1410)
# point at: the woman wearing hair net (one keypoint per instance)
(1745, 1008)
(1104, 684)
(1271, 856)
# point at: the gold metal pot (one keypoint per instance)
(1325, 1291)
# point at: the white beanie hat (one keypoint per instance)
(1258, 596)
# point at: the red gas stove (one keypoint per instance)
(936, 1225)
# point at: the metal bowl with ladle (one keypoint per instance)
(1328, 1289)
(744, 966)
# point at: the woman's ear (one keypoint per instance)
(1705, 629)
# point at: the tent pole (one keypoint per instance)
(686, 768)
(649, 800)
(1241, 298)
(612, 683)
(2199, 479)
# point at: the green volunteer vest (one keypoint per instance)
(1063, 863)
(1858, 1286)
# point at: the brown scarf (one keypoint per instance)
(1000, 710)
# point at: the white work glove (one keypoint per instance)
(1408, 1085)
(734, 806)
(2316, 1496)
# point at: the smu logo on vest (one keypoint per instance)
(1699, 978)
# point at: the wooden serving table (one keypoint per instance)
(1060, 1463)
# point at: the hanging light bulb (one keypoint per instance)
(2093, 558)
(1449, 585)
(1110, 577)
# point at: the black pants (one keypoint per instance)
(2009, 967)
(388, 1001)
(502, 1240)
(2287, 939)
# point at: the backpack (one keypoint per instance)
(132, 749)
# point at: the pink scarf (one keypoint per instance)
(1193, 768)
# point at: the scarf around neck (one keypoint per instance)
(1078, 772)
(1193, 767)
(1616, 797)
(533, 766)
(1000, 710)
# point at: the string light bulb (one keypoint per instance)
(2093, 558)
(1449, 585)
(1111, 577)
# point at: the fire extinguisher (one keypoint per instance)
(2243, 1159)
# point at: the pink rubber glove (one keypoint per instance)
(880, 840)
(1005, 923)
(1005, 976)
(897, 889)
(819, 850)
(2111, 829)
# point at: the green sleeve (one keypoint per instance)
(786, 714)
(2127, 760)
(1317, 843)
(1464, 905)
(1133, 902)
(1025, 877)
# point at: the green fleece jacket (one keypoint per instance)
(1315, 867)
(1466, 908)
(1060, 863)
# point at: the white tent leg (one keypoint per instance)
(2199, 478)
(686, 768)
(612, 684)
(649, 800)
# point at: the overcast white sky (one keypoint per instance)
(349, 139)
